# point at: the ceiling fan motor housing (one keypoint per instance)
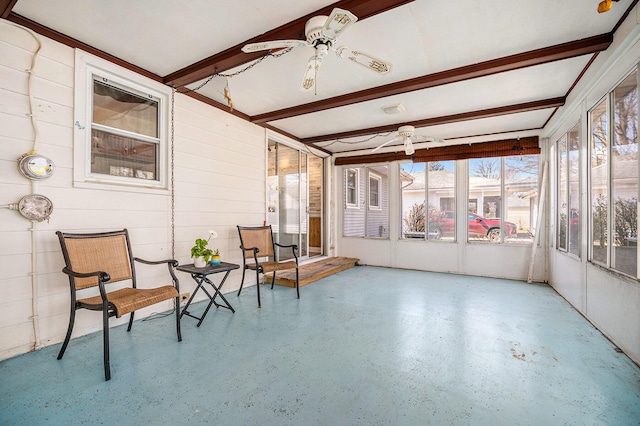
(406, 131)
(313, 30)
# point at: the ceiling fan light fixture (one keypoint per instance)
(394, 109)
(408, 148)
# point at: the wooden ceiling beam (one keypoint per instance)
(5, 7)
(501, 148)
(234, 56)
(446, 119)
(482, 69)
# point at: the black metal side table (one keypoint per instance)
(199, 275)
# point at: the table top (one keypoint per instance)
(209, 269)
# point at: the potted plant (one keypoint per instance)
(200, 253)
(215, 257)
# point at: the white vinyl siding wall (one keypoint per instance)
(219, 181)
(378, 218)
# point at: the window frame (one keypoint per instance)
(609, 100)
(356, 203)
(378, 179)
(432, 225)
(503, 207)
(88, 67)
(571, 175)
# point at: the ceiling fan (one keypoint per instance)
(321, 33)
(407, 135)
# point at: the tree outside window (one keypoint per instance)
(614, 178)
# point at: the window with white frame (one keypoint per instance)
(375, 183)
(433, 181)
(121, 120)
(366, 219)
(502, 199)
(613, 179)
(351, 187)
(568, 192)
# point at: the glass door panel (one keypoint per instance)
(294, 188)
(289, 228)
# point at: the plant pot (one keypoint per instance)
(215, 260)
(199, 262)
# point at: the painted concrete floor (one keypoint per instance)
(368, 346)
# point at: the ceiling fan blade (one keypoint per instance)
(420, 138)
(364, 59)
(337, 22)
(270, 45)
(385, 144)
(310, 73)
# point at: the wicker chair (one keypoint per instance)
(100, 258)
(256, 244)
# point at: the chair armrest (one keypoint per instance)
(253, 249)
(172, 262)
(102, 276)
(293, 248)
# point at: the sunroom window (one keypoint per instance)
(434, 182)
(614, 178)
(502, 199)
(369, 218)
(568, 192)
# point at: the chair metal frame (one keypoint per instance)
(140, 297)
(267, 250)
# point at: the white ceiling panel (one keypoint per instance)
(420, 38)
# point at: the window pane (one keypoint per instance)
(563, 194)
(374, 191)
(441, 196)
(123, 110)
(351, 187)
(412, 181)
(123, 156)
(354, 214)
(521, 191)
(378, 219)
(573, 157)
(485, 187)
(599, 203)
(624, 180)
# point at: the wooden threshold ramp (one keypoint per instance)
(313, 271)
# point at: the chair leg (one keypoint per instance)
(258, 286)
(178, 318)
(130, 321)
(273, 279)
(105, 333)
(72, 319)
(242, 281)
(297, 284)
